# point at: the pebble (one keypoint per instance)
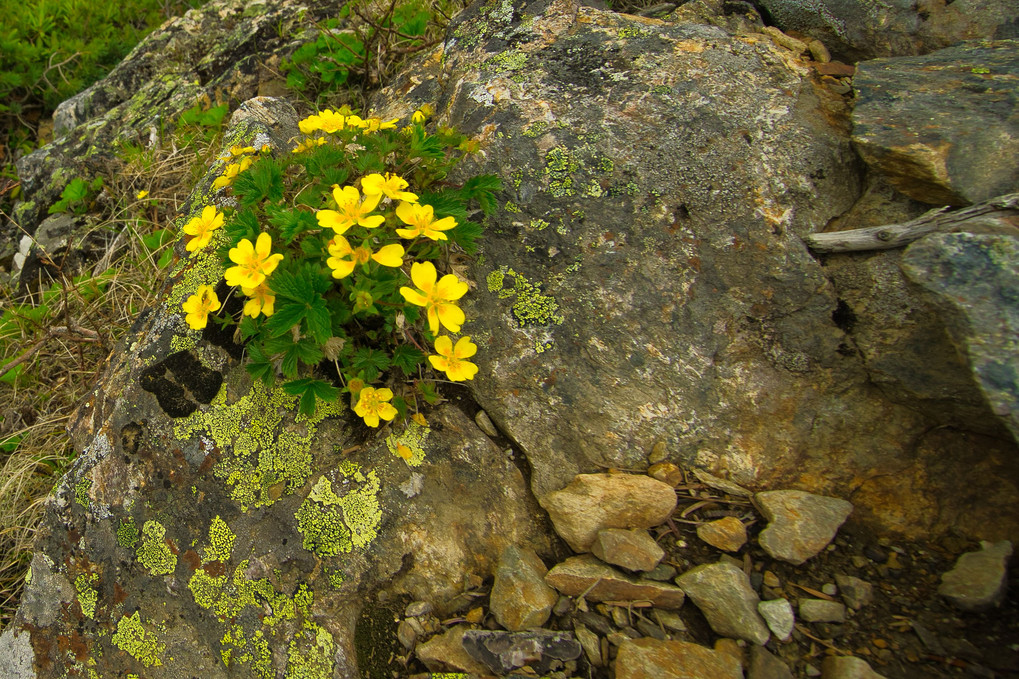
(764, 665)
(633, 550)
(485, 424)
(666, 472)
(653, 659)
(771, 580)
(406, 635)
(847, 667)
(731, 647)
(649, 629)
(662, 572)
(723, 594)
(597, 581)
(659, 452)
(856, 593)
(669, 620)
(520, 597)
(829, 588)
(800, 524)
(822, 610)
(875, 553)
(540, 649)
(589, 642)
(728, 533)
(977, 582)
(445, 653)
(593, 502)
(594, 621)
(417, 609)
(778, 614)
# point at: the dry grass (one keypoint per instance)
(60, 368)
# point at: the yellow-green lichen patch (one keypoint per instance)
(495, 280)
(539, 224)
(336, 577)
(221, 541)
(559, 168)
(264, 456)
(127, 534)
(408, 445)
(87, 595)
(332, 524)
(531, 307)
(205, 588)
(142, 645)
(81, 490)
(154, 553)
(237, 649)
(310, 655)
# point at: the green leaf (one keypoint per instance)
(290, 222)
(262, 181)
(482, 188)
(466, 234)
(286, 316)
(407, 358)
(310, 390)
(370, 361)
(318, 321)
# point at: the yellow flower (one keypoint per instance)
(231, 171)
(450, 359)
(199, 305)
(202, 227)
(376, 124)
(310, 124)
(238, 151)
(392, 185)
(356, 121)
(254, 262)
(309, 144)
(418, 117)
(422, 218)
(350, 211)
(373, 404)
(345, 258)
(141, 194)
(330, 121)
(436, 298)
(420, 419)
(260, 300)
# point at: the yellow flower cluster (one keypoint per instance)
(238, 160)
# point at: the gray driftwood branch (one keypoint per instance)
(897, 235)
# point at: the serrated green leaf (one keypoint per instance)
(466, 234)
(290, 223)
(286, 316)
(407, 359)
(318, 321)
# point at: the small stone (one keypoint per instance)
(723, 594)
(406, 635)
(879, 643)
(847, 667)
(619, 616)
(818, 52)
(590, 643)
(875, 553)
(562, 605)
(520, 597)
(669, 620)
(829, 588)
(633, 550)
(859, 562)
(800, 524)
(778, 614)
(764, 665)
(811, 671)
(475, 615)
(663, 572)
(787, 41)
(728, 533)
(731, 647)
(658, 453)
(597, 581)
(666, 472)
(485, 424)
(445, 653)
(645, 658)
(977, 582)
(416, 609)
(856, 593)
(598, 623)
(502, 652)
(592, 502)
(771, 580)
(649, 629)
(822, 610)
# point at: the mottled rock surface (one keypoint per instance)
(778, 614)
(723, 594)
(800, 524)
(847, 667)
(822, 610)
(764, 665)
(978, 579)
(973, 280)
(593, 502)
(652, 659)
(520, 598)
(855, 592)
(633, 550)
(445, 653)
(599, 582)
(728, 533)
(540, 649)
(942, 127)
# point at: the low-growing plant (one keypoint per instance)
(338, 259)
(77, 196)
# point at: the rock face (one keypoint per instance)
(942, 127)
(858, 29)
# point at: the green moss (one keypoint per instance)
(132, 638)
(559, 168)
(154, 553)
(203, 267)
(517, 176)
(264, 458)
(221, 541)
(127, 534)
(336, 577)
(87, 595)
(332, 524)
(412, 439)
(81, 490)
(605, 164)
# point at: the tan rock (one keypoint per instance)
(633, 550)
(520, 598)
(728, 533)
(653, 659)
(599, 582)
(445, 653)
(592, 502)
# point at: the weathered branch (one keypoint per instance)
(896, 235)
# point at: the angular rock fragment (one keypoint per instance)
(646, 658)
(592, 502)
(778, 614)
(978, 580)
(847, 667)
(800, 524)
(598, 582)
(856, 593)
(633, 550)
(822, 610)
(728, 533)
(764, 665)
(445, 653)
(520, 598)
(723, 593)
